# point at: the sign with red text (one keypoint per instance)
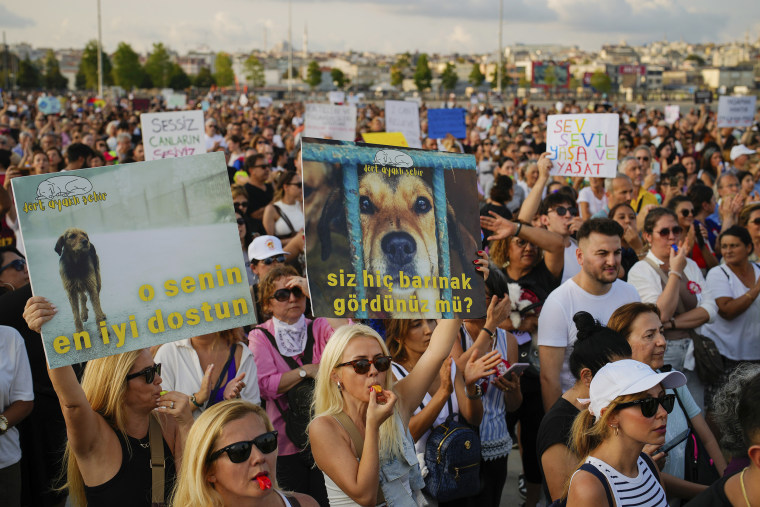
(736, 111)
(583, 145)
(172, 134)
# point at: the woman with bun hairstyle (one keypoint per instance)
(596, 346)
(628, 409)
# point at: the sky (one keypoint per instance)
(383, 26)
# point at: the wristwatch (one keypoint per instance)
(3, 424)
(302, 372)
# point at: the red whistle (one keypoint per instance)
(264, 482)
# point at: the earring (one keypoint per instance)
(617, 431)
(340, 387)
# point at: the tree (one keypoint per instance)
(313, 74)
(127, 70)
(53, 78)
(449, 77)
(339, 79)
(505, 79)
(158, 65)
(88, 66)
(178, 78)
(601, 82)
(696, 59)
(204, 79)
(254, 72)
(476, 77)
(423, 76)
(224, 74)
(29, 76)
(397, 76)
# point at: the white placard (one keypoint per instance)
(176, 101)
(243, 99)
(336, 97)
(736, 111)
(584, 145)
(330, 122)
(672, 113)
(172, 134)
(49, 105)
(404, 116)
(265, 101)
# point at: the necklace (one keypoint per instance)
(744, 490)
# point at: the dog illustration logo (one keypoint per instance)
(63, 186)
(393, 158)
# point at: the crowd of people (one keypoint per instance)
(638, 329)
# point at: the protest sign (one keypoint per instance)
(389, 232)
(336, 97)
(265, 100)
(404, 116)
(703, 97)
(168, 264)
(584, 145)
(736, 111)
(140, 104)
(172, 134)
(386, 138)
(176, 101)
(328, 121)
(243, 99)
(49, 105)
(446, 121)
(672, 113)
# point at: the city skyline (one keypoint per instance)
(448, 26)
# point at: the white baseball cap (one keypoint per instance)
(739, 150)
(626, 377)
(263, 247)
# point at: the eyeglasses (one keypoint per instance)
(562, 210)
(666, 232)
(283, 295)
(17, 264)
(361, 366)
(149, 373)
(240, 204)
(686, 212)
(649, 405)
(272, 260)
(645, 159)
(240, 221)
(519, 243)
(262, 166)
(241, 451)
(299, 184)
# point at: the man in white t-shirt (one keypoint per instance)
(595, 289)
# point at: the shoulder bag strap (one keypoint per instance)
(157, 464)
(664, 279)
(285, 219)
(686, 416)
(293, 501)
(308, 351)
(291, 362)
(588, 467)
(222, 375)
(400, 371)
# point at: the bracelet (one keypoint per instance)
(490, 333)
(478, 392)
(519, 228)
(675, 273)
(194, 401)
(672, 322)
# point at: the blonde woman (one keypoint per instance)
(354, 361)
(231, 459)
(107, 418)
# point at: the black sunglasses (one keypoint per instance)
(649, 405)
(299, 184)
(666, 231)
(272, 260)
(149, 373)
(243, 204)
(17, 264)
(283, 295)
(645, 159)
(361, 366)
(241, 451)
(562, 210)
(686, 212)
(756, 221)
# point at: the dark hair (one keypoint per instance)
(604, 226)
(595, 346)
(707, 154)
(672, 173)
(62, 162)
(553, 200)
(250, 162)
(743, 174)
(746, 212)
(675, 201)
(77, 151)
(502, 189)
(739, 232)
(654, 216)
(700, 194)
(11, 249)
(749, 411)
(618, 206)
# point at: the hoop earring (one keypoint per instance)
(617, 431)
(340, 387)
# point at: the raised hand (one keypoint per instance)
(480, 367)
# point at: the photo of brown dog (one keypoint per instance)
(80, 273)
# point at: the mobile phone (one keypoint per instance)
(674, 442)
(698, 234)
(517, 368)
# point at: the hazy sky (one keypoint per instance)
(387, 26)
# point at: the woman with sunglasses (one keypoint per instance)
(628, 409)
(749, 218)
(283, 217)
(13, 271)
(640, 324)
(672, 281)
(356, 399)
(701, 253)
(284, 337)
(109, 421)
(231, 459)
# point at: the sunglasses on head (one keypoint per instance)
(149, 373)
(649, 405)
(361, 366)
(283, 295)
(241, 451)
(666, 231)
(562, 210)
(272, 260)
(687, 212)
(17, 264)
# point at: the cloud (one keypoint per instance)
(11, 20)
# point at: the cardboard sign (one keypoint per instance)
(172, 134)
(404, 116)
(176, 101)
(49, 105)
(336, 97)
(446, 121)
(386, 138)
(584, 145)
(672, 113)
(330, 122)
(703, 97)
(391, 232)
(120, 229)
(736, 111)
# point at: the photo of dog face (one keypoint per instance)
(79, 267)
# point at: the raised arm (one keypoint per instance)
(530, 205)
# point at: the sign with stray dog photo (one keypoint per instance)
(133, 255)
(390, 231)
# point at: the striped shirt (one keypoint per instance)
(641, 491)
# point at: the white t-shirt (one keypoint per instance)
(294, 212)
(15, 385)
(211, 141)
(594, 205)
(555, 324)
(571, 267)
(737, 339)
